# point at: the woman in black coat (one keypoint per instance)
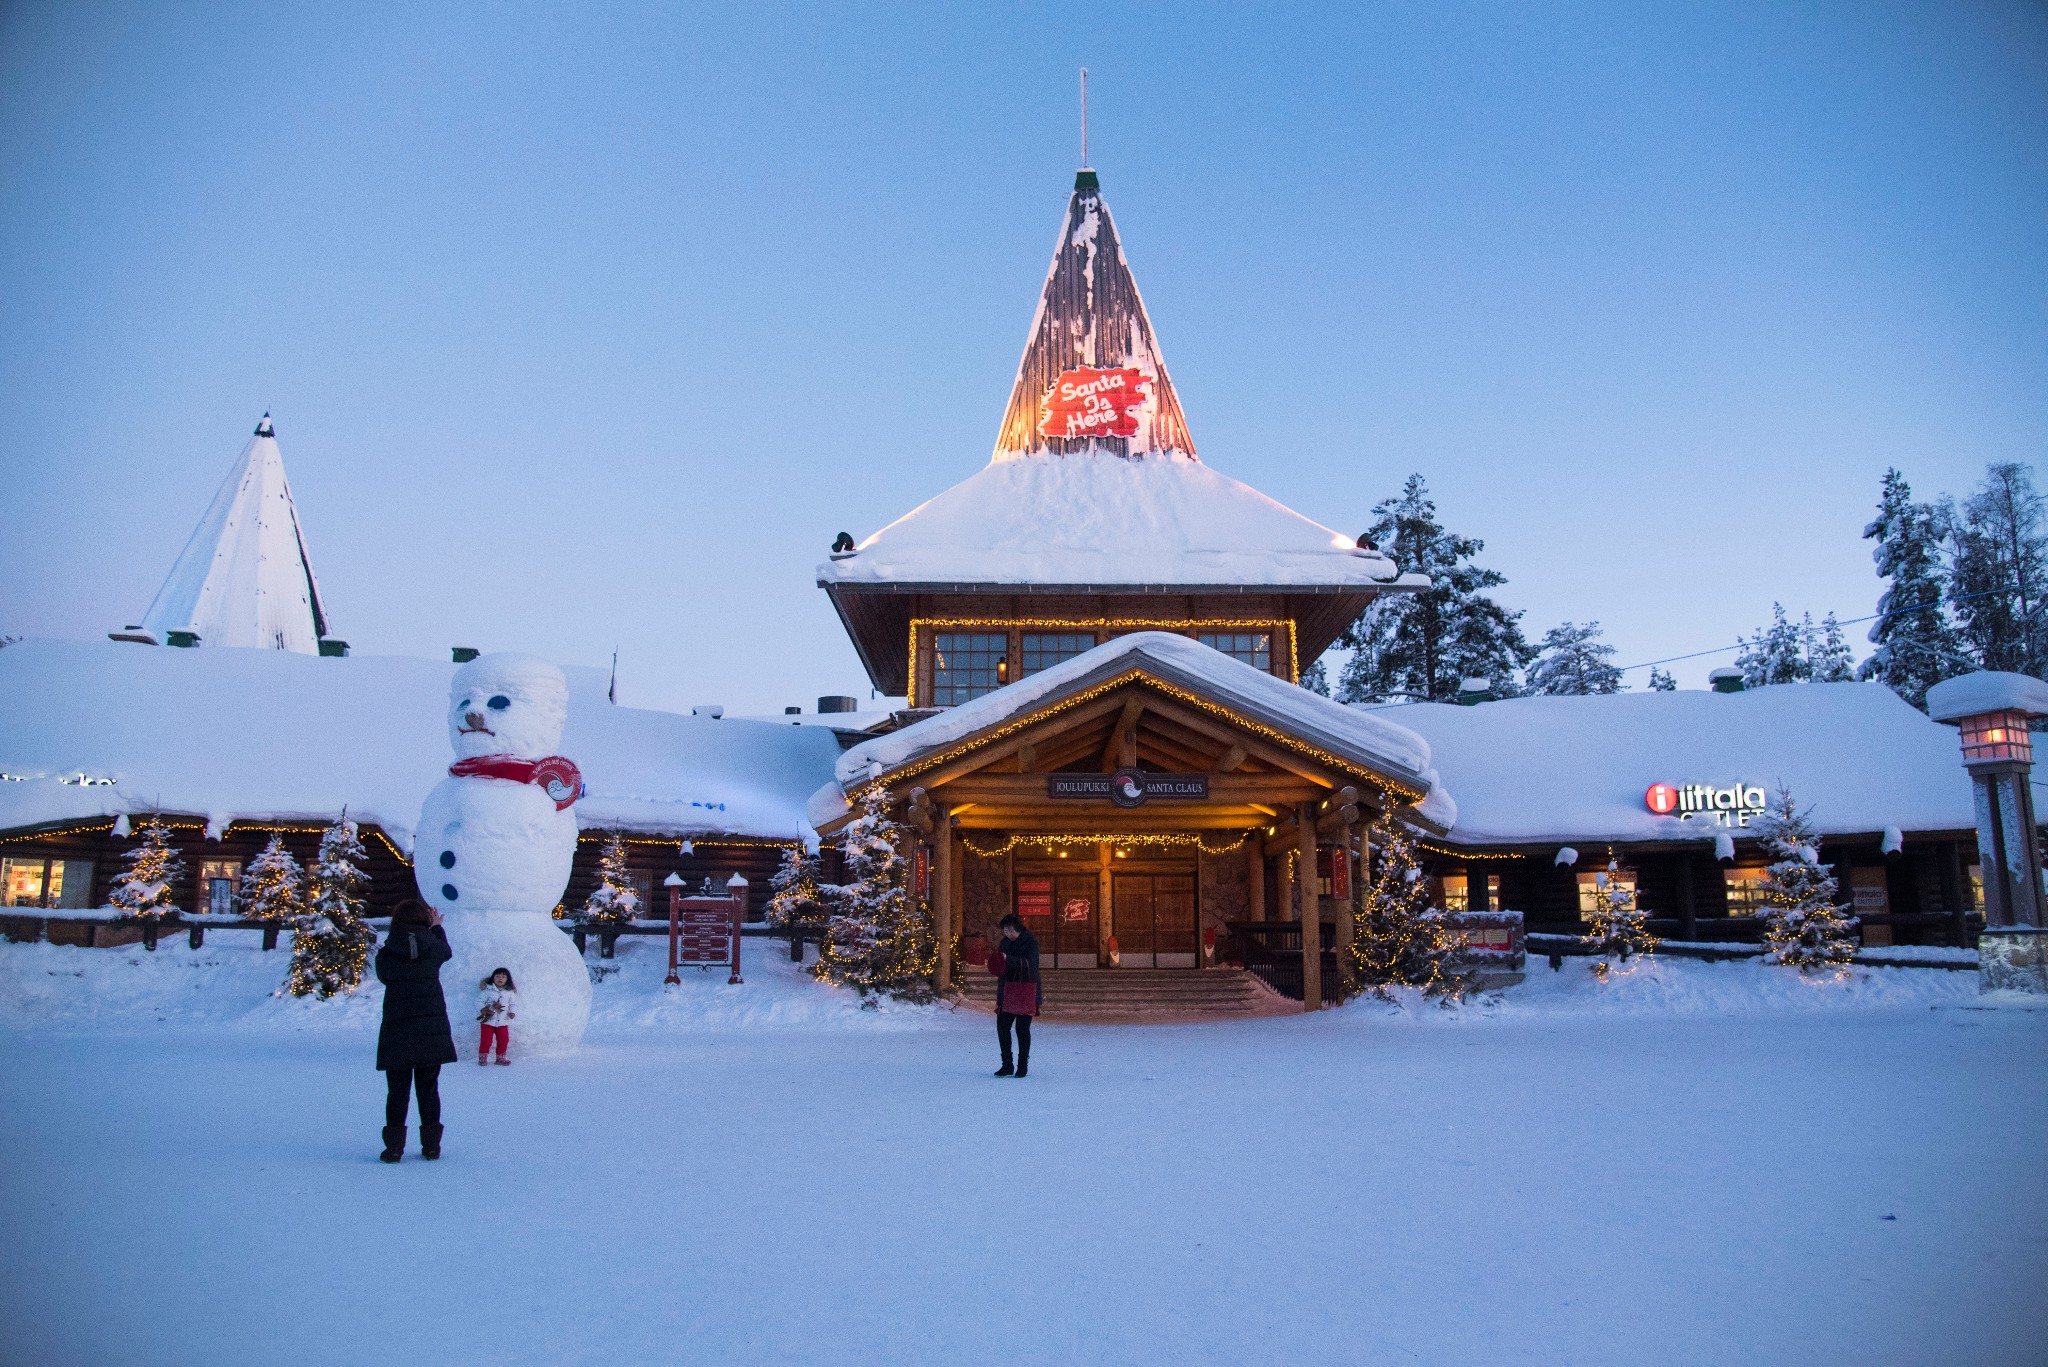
(414, 1040)
(1015, 965)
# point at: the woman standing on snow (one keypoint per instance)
(414, 1040)
(1015, 965)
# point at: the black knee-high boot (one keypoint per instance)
(1003, 1020)
(1023, 1045)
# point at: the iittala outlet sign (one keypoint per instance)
(1095, 403)
(1733, 805)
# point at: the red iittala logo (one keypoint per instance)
(1095, 403)
(1662, 799)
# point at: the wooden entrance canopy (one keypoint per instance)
(1277, 763)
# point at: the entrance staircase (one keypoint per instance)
(1141, 994)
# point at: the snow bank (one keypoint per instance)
(1664, 986)
(1543, 770)
(1103, 519)
(228, 734)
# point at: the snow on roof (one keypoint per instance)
(249, 734)
(1372, 742)
(244, 578)
(1988, 690)
(1576, 769)
(1102, 519)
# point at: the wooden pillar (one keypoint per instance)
(1348, 845)
(1283, 887)
(957, 865)
(1255, 868)
(944, 916)
(1688, 909)
(1104, 926)
(1311, 914)
(1953, 867)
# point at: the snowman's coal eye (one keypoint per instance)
(465, 703)
(500, 703)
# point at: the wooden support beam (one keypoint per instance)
(1255, 870)
(1122, 749)
(983, 756)
(1227, 734)
(1311, 916)
(1224, 789)
(1027, 756)
(945, 915)
(1230, 758)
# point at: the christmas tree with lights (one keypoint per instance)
(1616, 927)
(615, 899)
(145, 887)
(1397, 938)
(273, 886)
(795, 903)
(331, 943)
(878, 939)
(1803, 924)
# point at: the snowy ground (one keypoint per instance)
(1694, 1165)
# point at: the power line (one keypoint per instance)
(1849, 622)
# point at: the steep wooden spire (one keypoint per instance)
(1091, 318)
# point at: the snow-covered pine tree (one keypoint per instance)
(1616, 926)
(1423, 645)
(1316, 678)
(148, 886)
(331, 943)
(1397, 938)
(614, 899)
(273, 886)
(1999, 575)
(1574, 660)
(794, 900)
(1917, 646)
(1661, 681)
(878, 939)
(1827, 655)
(1804, 925)
(1776, 654)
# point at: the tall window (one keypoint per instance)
(1745, 890)
(1254, 648)
(966, 665)
(1457, 889)
(21, 880)
(220, 880)
(1589, 889)
(1043, 651)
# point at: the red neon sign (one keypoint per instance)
(1661, 799)
(1095, 403)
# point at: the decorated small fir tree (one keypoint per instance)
(1397, 937)
(273, 886)
(147, 886)
(615, 899)
(1616, 927)
(331, 943)
(795, 903)
(878, 939)
(1803, 924)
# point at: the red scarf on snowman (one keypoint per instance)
(556, 776)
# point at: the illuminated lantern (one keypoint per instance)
(1662, 799)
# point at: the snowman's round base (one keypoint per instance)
(553, 985)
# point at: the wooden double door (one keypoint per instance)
(1060, 909)
(1153, 919)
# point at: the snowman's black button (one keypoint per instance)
(448, 891)
(447, 859)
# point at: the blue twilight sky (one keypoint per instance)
(589, 325)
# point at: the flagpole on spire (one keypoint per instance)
(1084, 118)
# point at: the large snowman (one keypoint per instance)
(494, 845)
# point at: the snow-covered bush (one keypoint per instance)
(331, 943)
(273, 886)
(1397, 938)
(1803, 924)
(1616, 926)
(615, 899)
(878, 940)
(147, 886)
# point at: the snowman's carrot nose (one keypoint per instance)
(474, 721)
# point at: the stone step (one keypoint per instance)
(1142, 992)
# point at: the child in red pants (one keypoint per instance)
(495, 1016)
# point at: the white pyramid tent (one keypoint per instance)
(244, 578)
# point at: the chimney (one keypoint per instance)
(838, 702)
(1474, 690)
(1726, 679)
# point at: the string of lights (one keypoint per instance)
(1126, 839)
